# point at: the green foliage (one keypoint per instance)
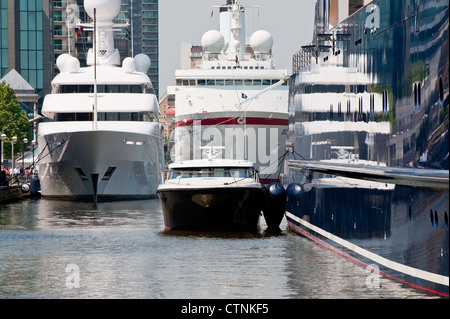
(13, 120)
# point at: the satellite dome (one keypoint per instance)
(129, 65)
(213, 41)
(261, 41)
(72, 65)
(107, 10)
(142, 62)
(61, 61)
(67, 63)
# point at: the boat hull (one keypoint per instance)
(265, 144)
(368, 175)
(402, 231)
(223, 209)
(104, 164)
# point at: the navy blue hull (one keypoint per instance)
(408, 226)
(222, 209)
(369, 137)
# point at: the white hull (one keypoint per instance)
(75, 158)
(265, 144)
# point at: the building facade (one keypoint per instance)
(143, 33)
(33, 33)
(26, 37)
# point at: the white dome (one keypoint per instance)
(73, 65)
(261, 41)
(143, 62)
(61, 61)
(67, 63)
(213, 41)
(129, 65)
(107, 10)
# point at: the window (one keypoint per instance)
(417, 98)
(111, 116)
(348, 110)
(108, 173)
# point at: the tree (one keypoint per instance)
(13, 120)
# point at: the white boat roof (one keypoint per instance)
(112, 75)
(211, 163)
(106, 102)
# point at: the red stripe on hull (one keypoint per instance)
(267, 181)
(235, 121)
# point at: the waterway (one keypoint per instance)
(69, 249)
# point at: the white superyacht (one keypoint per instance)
(237, 99)
(104, 141)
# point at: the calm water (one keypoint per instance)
(64, 249)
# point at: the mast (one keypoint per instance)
(94, 122)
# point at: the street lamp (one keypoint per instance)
(2, 137)
(33, 142)
(14, 139)
(25, 141)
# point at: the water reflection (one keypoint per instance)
(45, 214)
(122, 251)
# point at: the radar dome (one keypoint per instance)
(67, 63)
(261, 41)
(107, 10)
(213, 41)
(61, 61)
(129, 65)
(72, 65)
(143, 62)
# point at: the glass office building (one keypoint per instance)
(31, 45)
(25, 43)
(142, 35)
(3, 38)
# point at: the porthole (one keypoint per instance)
(419, 89)
(446, 219)
(436, 219)
(415, 96)
(431, 217)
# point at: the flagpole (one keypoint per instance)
(68, 28)
(132, 34)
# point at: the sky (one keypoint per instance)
(289, 21)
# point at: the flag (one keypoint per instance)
(128, 34)
(79, 31)
(244, 96)
(212, 12)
